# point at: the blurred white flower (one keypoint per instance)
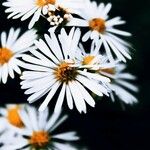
(54, 67)
(36, 8)
(95, 17)
(120, 84)
(12, 48)
(38, 132)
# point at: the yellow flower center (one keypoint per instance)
(87, 60)
(14, 118)
(65, 73)
(39, 139)
(111, 71)
(42, 3)
(5, 55)
(97, 24)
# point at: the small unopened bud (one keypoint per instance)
(52, 23)
(60, 20)
(66, 16)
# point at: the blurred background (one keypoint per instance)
(108, 126)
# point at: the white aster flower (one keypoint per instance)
(35, 8)
(39, 132)
(95, 17)
(54, 67)
(120, 83)
(11, 48)
(93, 60)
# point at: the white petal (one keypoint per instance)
(64, 146)
(124, 95)
(60, 99)
(69, 98)
(49, 96)
(36, 96)
(52, 120)
(127, 85)
(3, 39)
(88, 98)
(116, 51)
(42, 119)
(10, 36)
(25, 41)
(78, 22)
(25, 119)
(3, 112)
(14, 65)
(28, 14)
(29, 75)
(95, 76)
(106, 9)
(4, 73)
(119, 40)
(126, 76)
(116, 31)
(42, 57)
(10, 70)
(60, 121)
(34, 83)
(33, 117)
(107, 49)
(44, 49)
(35, 18)
(78, 98)
(34, 60)
(69, 136)
(114, 21)
(36, 67)
(54, 47)
(90, 85)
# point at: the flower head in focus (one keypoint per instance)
(103, 30)
(53, 66)
(38, 132)
(11, 48)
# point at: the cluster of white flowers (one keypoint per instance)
(25, 128)
(60, 65)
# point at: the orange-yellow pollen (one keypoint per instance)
(64, 72)
(87, 60)
(5, 55)
(42, 3)
(97, 24)
(14, 118)
(39, 139)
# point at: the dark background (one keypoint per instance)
(108, 126)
